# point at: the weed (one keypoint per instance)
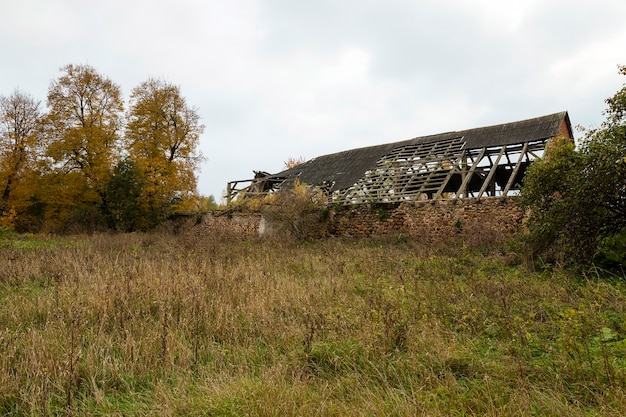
(188, 324)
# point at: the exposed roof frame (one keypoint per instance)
(445, 171)
(473, 163)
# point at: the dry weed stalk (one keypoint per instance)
(183, 324)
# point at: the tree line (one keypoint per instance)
(87, 162)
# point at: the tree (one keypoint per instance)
(124, 191)
(577, 197)
(19, 146)
(83, 129)
(162, 134)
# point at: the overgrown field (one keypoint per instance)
(149, 324)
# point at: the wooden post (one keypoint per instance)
(228, 194)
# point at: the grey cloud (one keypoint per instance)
(275, 79)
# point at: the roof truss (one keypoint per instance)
(443, 170)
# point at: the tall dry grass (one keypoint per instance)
(149, 324)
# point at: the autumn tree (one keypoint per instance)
(162, 135)
(19, 146)
(83, 129)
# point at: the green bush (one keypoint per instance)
(576, 196)
(612, 252)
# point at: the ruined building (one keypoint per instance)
(473, 163)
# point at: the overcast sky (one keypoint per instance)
(280, 79)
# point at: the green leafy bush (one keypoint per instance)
(576, 196)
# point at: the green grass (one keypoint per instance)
(189, 325)
(11, 240)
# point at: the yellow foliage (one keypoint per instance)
(19, 118)
(84, 123)
(162, 135)
(7, 219)
(256, 204)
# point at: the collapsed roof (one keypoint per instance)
(469, 163)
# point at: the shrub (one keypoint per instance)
(296, 213)
(577, 196)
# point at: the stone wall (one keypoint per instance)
(233, 226)
(474, 222)
(243, 225)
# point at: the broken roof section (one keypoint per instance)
(486, 161)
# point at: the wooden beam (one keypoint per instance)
(492, 172)
(462, 189)
(452, 171)
(229, 197)
(509, 183)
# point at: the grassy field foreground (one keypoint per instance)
(187, 325)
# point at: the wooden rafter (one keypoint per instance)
(516, 169)
(463, 188)
(452, 171)
(492, 172)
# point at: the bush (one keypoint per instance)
(577, 196)
(297, 213)
(612, 252)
